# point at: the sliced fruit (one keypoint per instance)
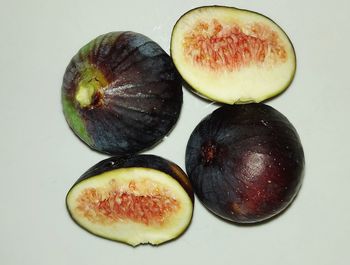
(232, 55)
(121, 93)
(245, 162)
(135, 200)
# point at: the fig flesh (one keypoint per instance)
(232, 55)
(245, 162)
(121, 93)
(135, 200)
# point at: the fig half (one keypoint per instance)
(245, 162)
(121, 93)
(136, 200)
(232, 55)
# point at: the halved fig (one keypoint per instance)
(245, 162)
(121, 93)
(135, 200)
(232, 55)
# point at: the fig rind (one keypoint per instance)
(245, 162)
(121, 93)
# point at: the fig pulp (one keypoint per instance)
(231, 55)
(245, 162)
(135, 200)
(121, 93)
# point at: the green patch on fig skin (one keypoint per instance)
(92, 83)
(75, 121)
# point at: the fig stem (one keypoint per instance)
(85, 93)
(89, 88)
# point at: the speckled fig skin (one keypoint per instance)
(121, 93)
(143, 161)
(245, 162)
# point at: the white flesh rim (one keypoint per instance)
(252, 83)
(128, 231)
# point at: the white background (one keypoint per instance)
(41, 158)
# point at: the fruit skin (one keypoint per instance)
(209, 86)
(245, 162)
(121, 93)
(137, 162)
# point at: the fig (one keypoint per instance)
(245, 162)
(135, 199)
(121, 93)
(231, 55)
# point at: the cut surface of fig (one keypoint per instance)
(245, 162)
(232, 55)
(121, 93)
(141, 199)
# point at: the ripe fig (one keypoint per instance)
(232, 55)
(136, 200)
(245, 162)
(121, 93)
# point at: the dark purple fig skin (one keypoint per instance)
(245, 162)
(141, 161)
(139, 94)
